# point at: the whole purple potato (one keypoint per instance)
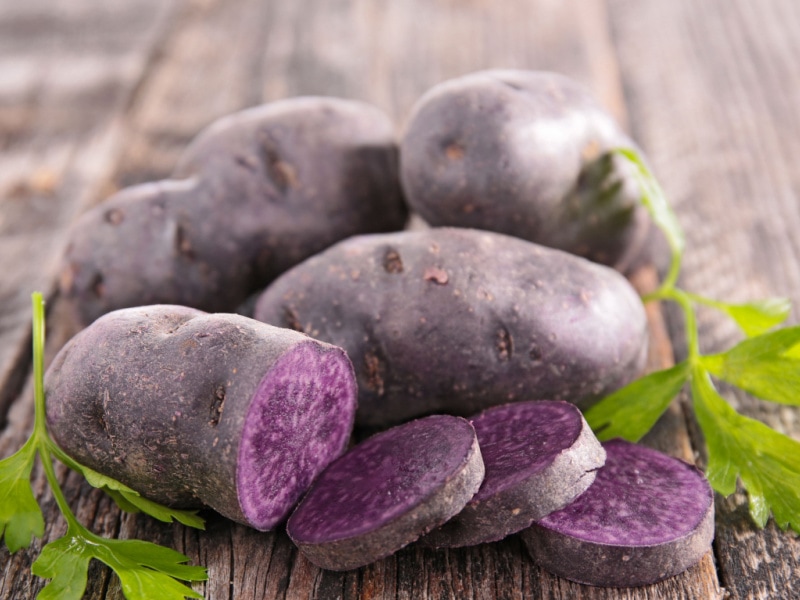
(457, 320)
(254, 194)
(193, 409)
(527, 154)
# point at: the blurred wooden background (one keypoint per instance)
(95, 96)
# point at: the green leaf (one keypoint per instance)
(146, 570)
(631, 411)
(65, 561)
(767, 462)
(128, 499)
(762, 366)
(20, 515)
(161, 512)
(753, 318)
(655, 201)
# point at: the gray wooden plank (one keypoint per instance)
(221, 56)
(718, 119)
(66, 72)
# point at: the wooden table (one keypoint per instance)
(95, 96)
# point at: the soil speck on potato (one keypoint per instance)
(374, 376)
(436, 275)
(505, 344)
(392, 263)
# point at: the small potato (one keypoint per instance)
(253, 195)
(527, 154)
(457, 320)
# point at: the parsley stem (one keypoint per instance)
(40, 437)
(684, 300)
(40, 416)
(55, 487)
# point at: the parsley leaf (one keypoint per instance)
(766, 364)
(130, 500)
(753, 318)
(768, 462)
(631, 411)
(20, 516)
(655, 200)
(145, 570)
(761, 366)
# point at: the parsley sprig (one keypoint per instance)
(766, 364)
(145, 570)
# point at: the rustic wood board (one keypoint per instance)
(93, 98)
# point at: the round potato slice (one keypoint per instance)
(647, 517)
(387, 492)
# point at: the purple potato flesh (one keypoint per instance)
(539, 457)
(457, 320)
(387, 492)
(647, 517)
(192, 409)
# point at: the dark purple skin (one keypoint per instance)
(539, 457)
(388, 491)
(647, 517)
(527, 154)
(457, 320)
(191, 409)
(254, 194)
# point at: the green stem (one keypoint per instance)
(685, 301)
(58, 494)
(40, 437)
(40, 415)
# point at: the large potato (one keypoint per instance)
(254, 194)
(527, 154)
(455, 320)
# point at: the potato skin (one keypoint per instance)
(159, 397)
(254, 194)
(526, 153)
(457, 320)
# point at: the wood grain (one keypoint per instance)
(67, 75)
(719, 122)
(96, 97)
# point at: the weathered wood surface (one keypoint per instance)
(95, 96)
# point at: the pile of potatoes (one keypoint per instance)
(514, 290)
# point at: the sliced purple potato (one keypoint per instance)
(539, 456)
(191, 409)
(387, 492)
(647, 517)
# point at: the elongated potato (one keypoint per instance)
(192, 409)
(527, 153)
(456, 320)
(254, 194)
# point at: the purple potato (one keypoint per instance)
(539, 457)
(388, 491)
(527, 154)
(456, 320)
(647, 517)
(254, 194)
(191, 409)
